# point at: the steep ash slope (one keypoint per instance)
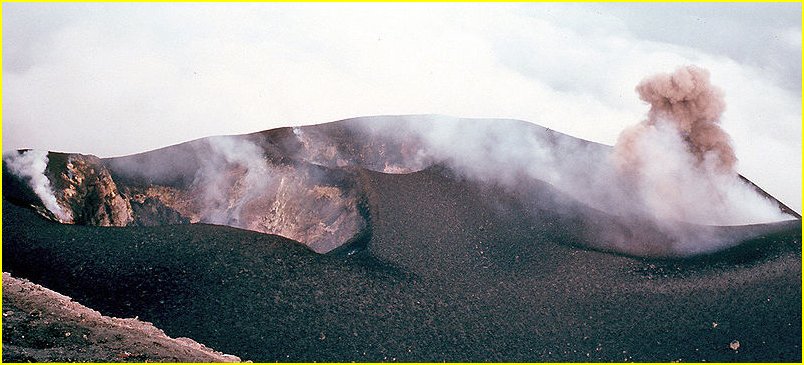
(472, 227)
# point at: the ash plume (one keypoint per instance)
(687, 102)
(679, 163)
(30, 165)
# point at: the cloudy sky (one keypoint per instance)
(114, 79)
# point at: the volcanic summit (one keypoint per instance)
(309, 184)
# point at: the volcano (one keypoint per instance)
(409, 238)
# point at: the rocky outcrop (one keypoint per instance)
(368, 147)
(251, 182)
(41, 325)
(314, 205)
(84, 186)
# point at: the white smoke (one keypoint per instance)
(671, 186)
(30, 165)
(232, 174)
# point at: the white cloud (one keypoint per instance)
(114, 79)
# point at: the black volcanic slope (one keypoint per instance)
(451, 271)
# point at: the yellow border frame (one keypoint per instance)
(358, 1)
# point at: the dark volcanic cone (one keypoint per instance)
(305, 183)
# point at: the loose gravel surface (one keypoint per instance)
(450, 272)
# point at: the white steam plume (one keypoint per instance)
(30, 165)
(232, 175)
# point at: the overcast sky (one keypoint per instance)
(114, 79)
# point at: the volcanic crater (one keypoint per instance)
(358, 240)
